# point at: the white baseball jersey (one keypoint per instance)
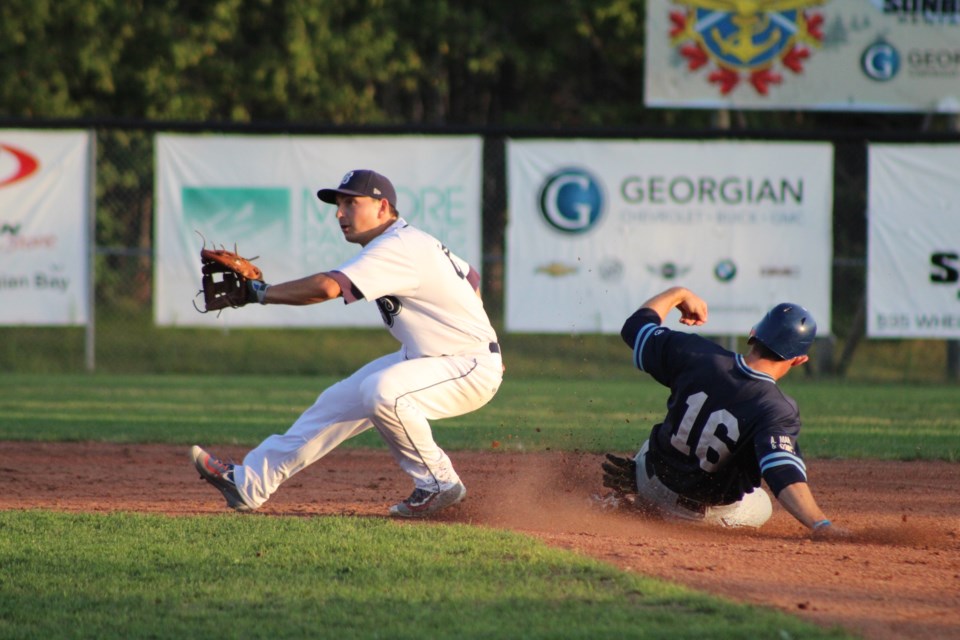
(428, 301)
(425, 293)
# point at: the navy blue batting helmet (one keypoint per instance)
(788, 330)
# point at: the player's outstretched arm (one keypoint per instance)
(693, 308)
(797, 499)
(309, 290)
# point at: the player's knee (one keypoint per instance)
(758, 507)
(751, 511)
(376, 397)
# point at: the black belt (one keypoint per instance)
(691, 505)
(494, 347)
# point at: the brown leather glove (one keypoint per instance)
(228, 279)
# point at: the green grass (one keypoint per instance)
(126, 342)
(146, 576)
(841, 419)
(879, 421)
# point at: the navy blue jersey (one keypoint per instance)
(727, 425)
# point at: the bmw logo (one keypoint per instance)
(725, 271)
(880, 61)
(571, 200)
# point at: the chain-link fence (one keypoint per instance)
(126, 340)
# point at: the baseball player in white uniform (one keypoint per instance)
(449, 362)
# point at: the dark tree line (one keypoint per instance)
(543, 63)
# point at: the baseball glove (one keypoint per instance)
(229, 279)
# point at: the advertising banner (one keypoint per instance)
(44, 220)
(839, 55)
(258, 193)
(913, 250)
(597, 227)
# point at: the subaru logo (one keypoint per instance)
(571, 200)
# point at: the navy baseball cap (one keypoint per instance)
(361, 182)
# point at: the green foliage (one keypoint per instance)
(137, 576)
(348, 62)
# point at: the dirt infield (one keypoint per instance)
(898, 578)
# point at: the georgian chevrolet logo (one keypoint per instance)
(571, 200)
(746, 39)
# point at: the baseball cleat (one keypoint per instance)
(220, 475)
(422, 502)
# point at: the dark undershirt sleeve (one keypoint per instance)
(349, 290)
(474, 279)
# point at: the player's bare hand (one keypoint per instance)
(693, 310)
(831, 532)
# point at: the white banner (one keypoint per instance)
(259, 192)
(913, 248)
(597, 227)
(44, 219)
(840, 55)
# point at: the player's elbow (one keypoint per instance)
(324, 288)
(309, 290)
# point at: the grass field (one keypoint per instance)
(135, 575)
(129, 343)
(841, 419)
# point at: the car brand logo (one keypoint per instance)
(15, 165)
(725, 270)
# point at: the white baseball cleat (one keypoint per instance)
(422, 502)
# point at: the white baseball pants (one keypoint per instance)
(753, 510)
(396, 396)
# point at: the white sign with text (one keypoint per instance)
(44, 221)
(913, 241)
(831, 55)
(258, 193)
(597, 227)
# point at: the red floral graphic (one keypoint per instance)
(685, 35)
